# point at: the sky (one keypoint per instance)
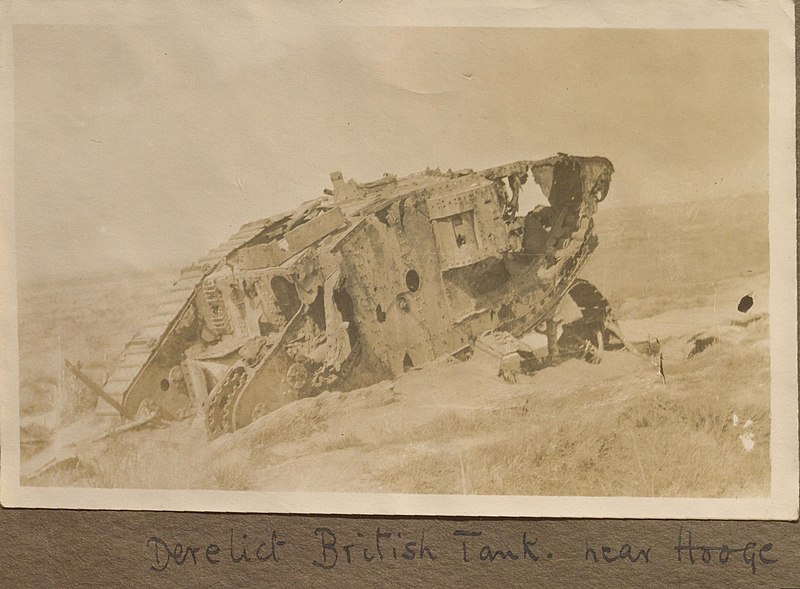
(142, 147)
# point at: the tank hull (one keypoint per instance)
(362, 284)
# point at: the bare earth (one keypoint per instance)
(616, 428)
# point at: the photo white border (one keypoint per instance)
(776, 16)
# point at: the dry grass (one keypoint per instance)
(454, 424)
(340, 442)
(625, 435)
(674, 440)
(150, 460)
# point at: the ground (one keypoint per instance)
(619, 428)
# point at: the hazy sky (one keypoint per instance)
(146, 146)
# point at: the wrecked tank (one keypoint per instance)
(364, 283)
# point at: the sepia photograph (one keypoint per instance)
(269, 258)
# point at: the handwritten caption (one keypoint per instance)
(326, 548)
